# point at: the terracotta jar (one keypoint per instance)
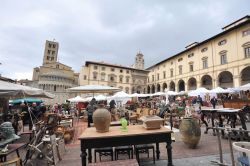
(190, 132)
(101, 119)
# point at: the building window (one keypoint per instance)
(95, 76)
(52, 58)
(103, 68)
(245, 33)
(85, 77)
(112, 69)
(103, 76)
(47, 57)
(54, 87)
(112, 79)
(48, 51)
(180, 69)
(190, 55)
(127, 71)
(171, 72)
(223, 58)
(180, 59)
(172, 63)
(204, 49)
(121, 79)
(54, 46)
(127, 79)
(49, 45)
(247, 52)
(121, 71)
(57, 66)
(95, 67)
(222, 42)
(158, 76)
(191, 67)
(53, 52)
(153, 78)
(204, 63)
(164, 75)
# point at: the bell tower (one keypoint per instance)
(50, 52)
(139, 61)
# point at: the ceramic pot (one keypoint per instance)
(101, 119)
(190, 132)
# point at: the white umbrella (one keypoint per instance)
(199, 91)
(77, 99)
(219, 90)
(100, 97)
(120, 95)
(139, 95)
(172, 93)
(159, 94)
(15, 90)
(245, 87)
(94, 89)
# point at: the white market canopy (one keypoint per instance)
(94, 89)
(219, 90)
(139, 95)
(172, 93)
(120, 95)
(159, 94)
(245, 87)
(8, 89)
(77, 99)
(199, 91)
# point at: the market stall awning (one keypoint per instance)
(15, 90)
(27, 100)
(94, 89)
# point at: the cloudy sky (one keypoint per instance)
(106, 30)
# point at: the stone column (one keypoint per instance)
(236, 81)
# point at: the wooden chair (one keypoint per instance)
(144, 149)
(13, 162)
(123, 150)
(104, 152)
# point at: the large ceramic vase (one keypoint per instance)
(101, 119)
(190, 132)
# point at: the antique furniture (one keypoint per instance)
(107, 151)
(152, 121)
(136, 135)
(243, 147)
(144, 149)
(123, 150)
(11, 148)
(13, 162)
(7, 134)
(131, 162)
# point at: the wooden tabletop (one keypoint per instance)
(115, 131)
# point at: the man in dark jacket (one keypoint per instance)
(213, 101)
(90, 109)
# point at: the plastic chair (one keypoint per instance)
(244, 150)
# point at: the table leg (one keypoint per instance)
(90, 155)
(157, 151)
(83, 155)
(212, 119)
(169, 150)
(204, 121)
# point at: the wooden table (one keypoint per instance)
(11, 148)
(221, 112)
(136, 134)
(112, 123)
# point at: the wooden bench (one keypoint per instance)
(131, 162)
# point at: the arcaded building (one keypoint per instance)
(129, 79)
(54, 76)
(222, 60)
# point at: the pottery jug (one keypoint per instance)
(190, 132)
(101, 119)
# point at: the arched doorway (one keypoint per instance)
(245, 76)
(158, 87)
(164, 86)
(138, 89)
(148, 89)
(181, 85)
(153, 89)
(206, 82)
(172, 86)
(192, 85)
(225, 79)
